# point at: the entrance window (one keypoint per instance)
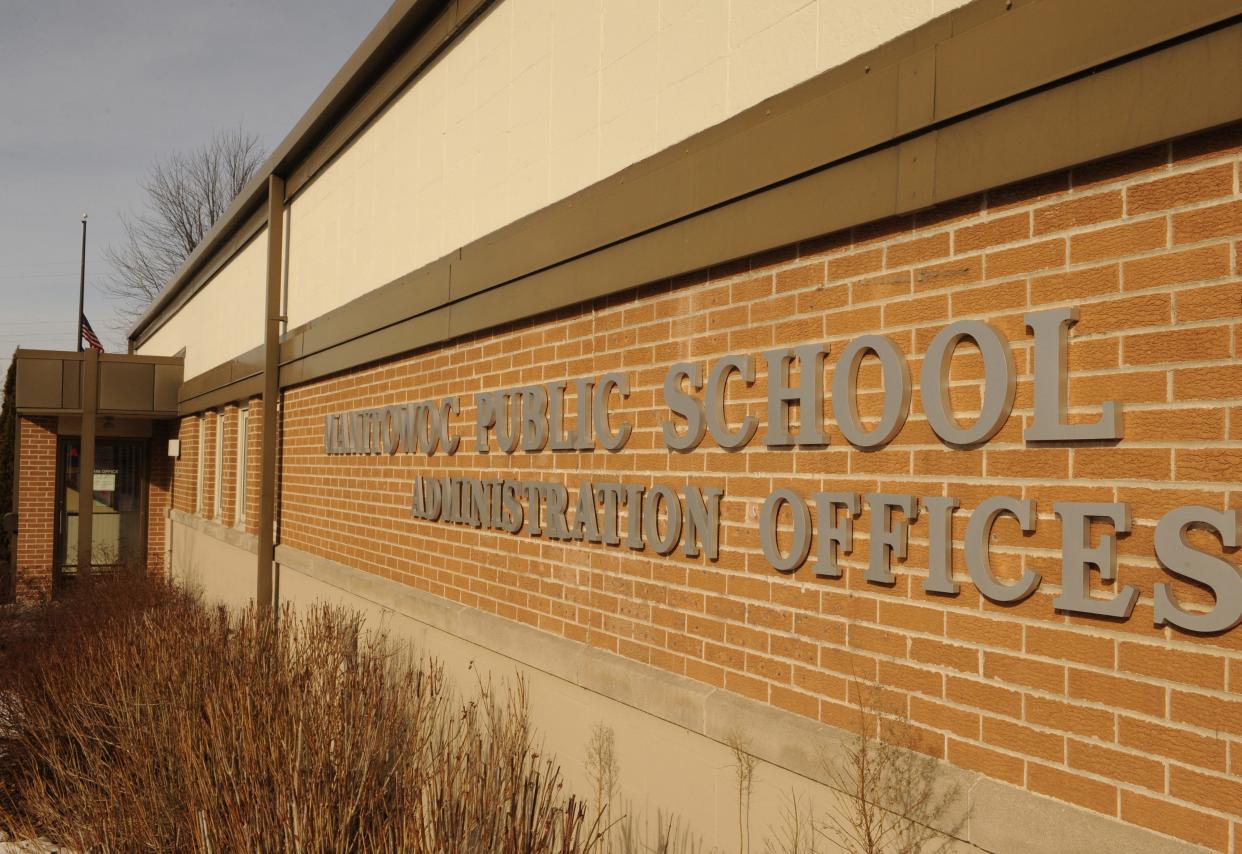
(118, 490)
(243, 435)
(217, 496)
(202, 452)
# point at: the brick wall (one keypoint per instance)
(215, 425)
(1123, 718)
(185, 467)
(228, 427)
(254, 463)
(36, 508)
(159, 497)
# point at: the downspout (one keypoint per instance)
(265, 579)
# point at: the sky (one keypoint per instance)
(92, 94)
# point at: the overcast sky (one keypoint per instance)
(93, 93)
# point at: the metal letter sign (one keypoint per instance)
(588, 414)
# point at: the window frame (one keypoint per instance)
(243, 464)
(201, 465)
(217, 498)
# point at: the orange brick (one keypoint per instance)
(913, 679)
(985, 631)
(855, 264)
(918, 251)
(1177, 345)
(1212, 791)
(1078, 212)
(991, 763)
(1077, 284)
(1179, 744)
(1118, 241)
(941, 654)
(746, 686)
(877, 640)
(1070, 718)
(1126, 313)
(1209, 383)
(1123, 463)
(943, 718)
(801, 277)
(1075, 788)
(1024, 740)
(1117, 691)
(912, 617)
(959, 271)
(983, 695)
(1178, 425)
(1161, 815)
(795, 701)
(1207, 712)
(1070, 646)
(1181, 189)
(1223, 220)
(1200, 264)
(1106, 762)
(1006, 229)
(1216, 302)
(1214, 464)
(1023, 671)
(1025, 259)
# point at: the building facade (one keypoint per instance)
(712, 363)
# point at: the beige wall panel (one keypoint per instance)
(540, 99)
(671, 733)
(224, 319)
(217, 564)
(664, 768)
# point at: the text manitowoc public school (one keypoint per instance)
(534, 419)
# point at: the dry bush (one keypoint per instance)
(796, 832)
(138, 719)
(744, 764)
(603, 771)
(896, 795)
(669, 835)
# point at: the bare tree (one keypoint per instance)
(186, 194)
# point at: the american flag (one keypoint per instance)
(89, 336)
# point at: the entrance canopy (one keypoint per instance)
(102, 406)
(50, 382)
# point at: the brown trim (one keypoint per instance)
(239, 392)
(273, 318)
(410, 36)
(965, 60)
(1186, 86)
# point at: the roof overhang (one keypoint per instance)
(50, 382)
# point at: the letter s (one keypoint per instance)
(1184, 560)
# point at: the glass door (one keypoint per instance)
(118, 490)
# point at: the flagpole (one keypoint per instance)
(82, 287)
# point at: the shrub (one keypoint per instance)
(137, 719)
